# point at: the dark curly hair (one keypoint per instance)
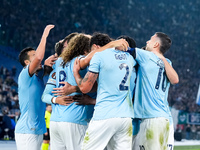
(59, 45)
(78, 45)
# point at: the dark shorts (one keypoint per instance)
(46, 137)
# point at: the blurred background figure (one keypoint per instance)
(188, 131)
(7, 125)
(46, 137)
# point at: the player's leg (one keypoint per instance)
(122, 139)
(171, 138)
(56, 141)
(98, 134)
(72, 135)
(46, 139)
(153, 134)
(28, 141)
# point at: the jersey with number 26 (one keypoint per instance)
(115, 89)
(151, 87)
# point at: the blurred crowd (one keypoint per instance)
(22, 22)
(8, 90)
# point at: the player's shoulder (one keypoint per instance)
(140, 53)
(24, 72)
(104, 52)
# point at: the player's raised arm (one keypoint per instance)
(84, 62)
(40, 51)
(170, 72)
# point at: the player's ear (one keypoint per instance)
(157, 44)
(26, 62)
(93, 47)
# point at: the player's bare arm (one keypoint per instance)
(66, 89)
(84, 100)
(85, 85)
(84, 62)
(39, 54)
(170, 72)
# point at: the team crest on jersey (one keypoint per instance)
(160, 63)
(53, 75)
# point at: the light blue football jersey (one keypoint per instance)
(51, 83)
(115, 90)
(167, 105)
(32, 108)
(151, 87)
(73, 113)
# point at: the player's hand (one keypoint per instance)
(84, 100)
(47, 30)
(65, 90)
(46, 133)
(50, 61)
(76, 67)
(64, 100)
(121, 44)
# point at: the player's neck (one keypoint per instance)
(156, 50)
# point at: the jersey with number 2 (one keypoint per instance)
(115, 89)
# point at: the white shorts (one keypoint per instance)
(153, 134)
(171, 138)
(116, 133)
(28, 141)
(66, 135)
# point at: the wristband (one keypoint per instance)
(54, 100)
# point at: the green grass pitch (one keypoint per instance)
(192, 147)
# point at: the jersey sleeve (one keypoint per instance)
(51, 83)
(169, 61)
(141, 55)
(95, 64)
(47, 95)
(52, 78)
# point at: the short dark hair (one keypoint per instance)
(100, 39)
(58, 48)
(24, 55)
(130, 40)
(59, 45)
(165, 41)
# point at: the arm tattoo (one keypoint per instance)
(80, 81)
(90, 78)
(86, 77)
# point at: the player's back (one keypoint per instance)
(151, 87)
(114, 95)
